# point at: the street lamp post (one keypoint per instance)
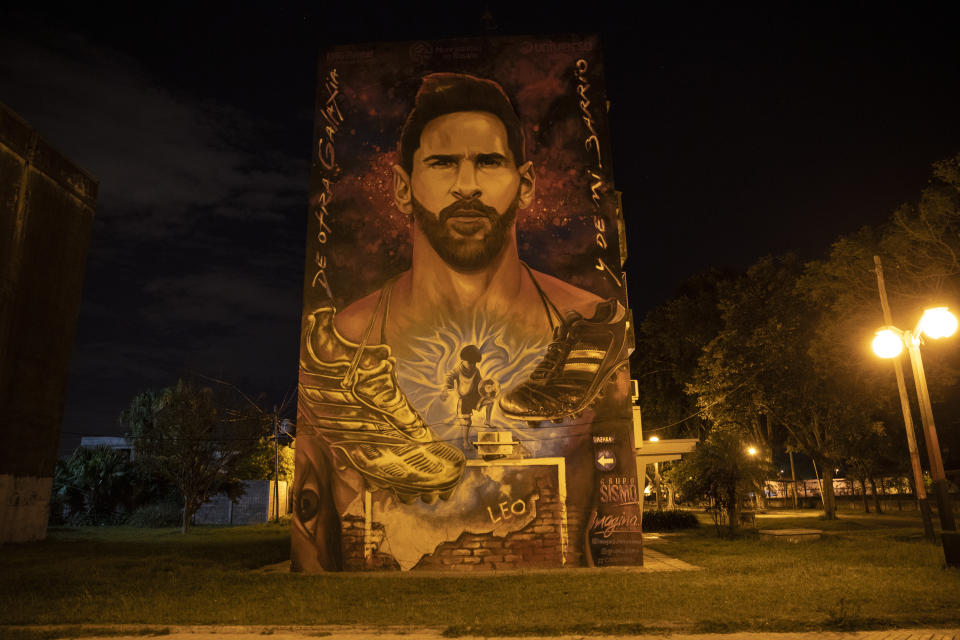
(921, 491)
(944, 503)
(752, 452)
(888, 343)
(656, 477)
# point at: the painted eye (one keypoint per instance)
(308, 505)
(489, 162)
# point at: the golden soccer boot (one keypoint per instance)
(350, 394)
(583, 355)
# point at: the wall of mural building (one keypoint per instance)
(464, 398)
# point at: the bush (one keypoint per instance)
(94, 486)
(669, 520)
(156, 515)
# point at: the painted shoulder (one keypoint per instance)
(567, 296)
(355, 317)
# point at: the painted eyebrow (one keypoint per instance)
(442, 157)
(445, 157)
(491, 156)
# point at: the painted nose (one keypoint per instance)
(466, 184)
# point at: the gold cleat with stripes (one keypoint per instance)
(351, 398)
(583, 355)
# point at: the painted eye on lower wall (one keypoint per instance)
(308, 505)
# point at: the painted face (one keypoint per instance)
(465, 155)
(465, 186)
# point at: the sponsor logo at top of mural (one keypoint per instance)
(549, 46)
(422, 52)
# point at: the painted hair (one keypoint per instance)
(471, 353)
(443, 93)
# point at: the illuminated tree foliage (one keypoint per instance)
(261, 465)
(670, 341)
(759, 373)
(780, 356)
(922, 241)
(722, 471)
(199, 441)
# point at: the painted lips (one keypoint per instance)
(469, 222)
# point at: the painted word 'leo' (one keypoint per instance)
(517, 508)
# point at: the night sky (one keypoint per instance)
(736, 133)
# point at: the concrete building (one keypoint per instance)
(46, 215)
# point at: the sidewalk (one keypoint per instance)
(212, 632)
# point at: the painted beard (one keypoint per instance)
(467, 234)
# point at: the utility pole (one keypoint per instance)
(276, 468)
(793, 476)
(921, 491)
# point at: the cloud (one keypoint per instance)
(196, 254)
(216, 297)
(157, 154)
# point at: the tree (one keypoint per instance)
(200, 441)
(760, 373)
(670, 340)
(721, 470)
(921, 244)
(96, 486)
(262, 461)
(919, 247)
(867, 457)
(781, 355)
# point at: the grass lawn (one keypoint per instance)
(869, 572)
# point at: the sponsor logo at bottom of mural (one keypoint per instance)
(617, 490)
(615, 537)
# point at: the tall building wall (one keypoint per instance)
(46, 214)
(464, 398)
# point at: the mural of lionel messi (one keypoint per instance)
(518, 348)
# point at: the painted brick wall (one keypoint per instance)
(538, 545)
(351, 542)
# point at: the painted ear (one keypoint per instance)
(528, 184)
(402, 195)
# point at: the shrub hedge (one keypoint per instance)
(669, 520)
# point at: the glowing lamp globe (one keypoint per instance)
(654, 439)
(887, 344)
(752, 451)
(938, 323)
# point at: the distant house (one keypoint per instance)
(123, 445)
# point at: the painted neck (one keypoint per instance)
(436, 283)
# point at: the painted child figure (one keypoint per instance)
(466, 379)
